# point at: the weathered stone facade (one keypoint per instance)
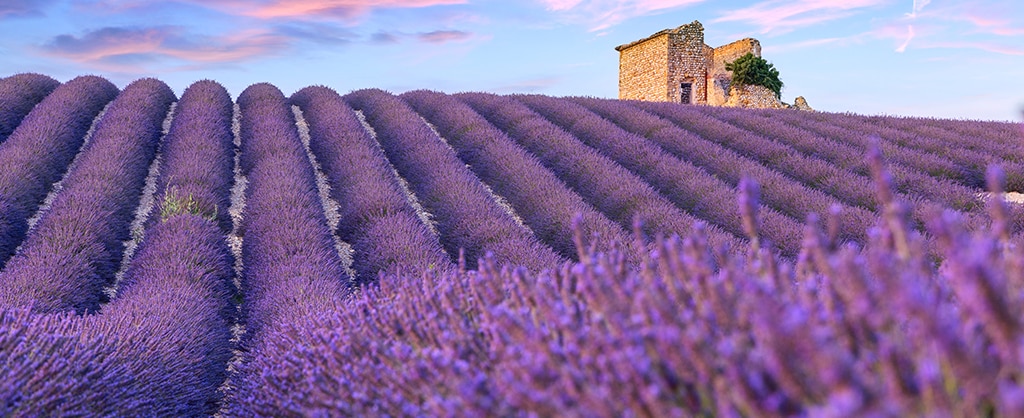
(675, 65)
(757, 97)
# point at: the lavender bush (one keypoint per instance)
(19, 93)
(468, 218)
(917, 313)
(547, 206)
(76, 247)
(687, 186)
(39, 151)
(375, 217)
(997, 139)
(159, 349)
(783, 193)
(973, 161)
(290, 265)
(882, 331)
(617, 193)
(980, 143)
(896, 153)
(906, 180)
(852, 189)
(197, 152)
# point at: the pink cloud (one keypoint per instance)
(810, 43)
(910, 36)
(347, 10)
(784, 16)
(987, 22)
(316, 9)
(917, 7)
(443, 36)
(603, 14)
(559, 5)
(20, 8)
(118, 47)
(960, 25)
(433, 37)
(980, 45)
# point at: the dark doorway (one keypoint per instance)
(686, 93)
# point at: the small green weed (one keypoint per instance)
(177, 205)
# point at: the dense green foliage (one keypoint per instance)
(753, 70)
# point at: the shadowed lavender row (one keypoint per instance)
(997, 139)
(161, 347)
(288, 254)
(291, 270)
(852, 189)
(76, 247)
(972, 152)
(689, 187)
(845, 185)
(954, 193)
(879, 332)
(617, 193)
(38, 152)
(547, 206)
(197, 169)
(785, 194)
(19, 93)
(179, 285)
(896, 153)
(375, 216)
(468, 218)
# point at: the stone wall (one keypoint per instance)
(730, 52)
(687, 62)
(755, 97)
(644, 69)
(718, 91)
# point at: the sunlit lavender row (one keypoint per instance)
(428, 254)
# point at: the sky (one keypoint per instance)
(937, 58)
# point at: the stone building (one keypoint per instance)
(675, 65)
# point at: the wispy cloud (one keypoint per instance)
(917, 6)
(603, 14)
(983, 26)
(432, 37)
(809, 43)
(444, 36)
(780, 16)
(993, 47)
(347, 10)
(120, 48)
(910, 36)
(385, 38)
(23, 8)
(318, 33)
(998, 21)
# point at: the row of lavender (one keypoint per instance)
(294, 289)
(161, 346)
(878, 332)
(670, 166)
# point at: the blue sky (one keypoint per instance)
(941, 58)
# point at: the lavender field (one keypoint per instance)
(472, 254)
